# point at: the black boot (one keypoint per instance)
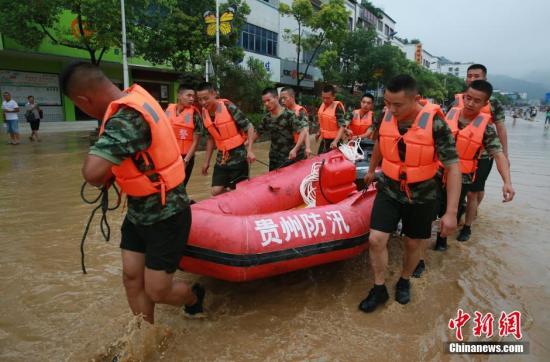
(420, 267)
(403, 291)
(440, 243)
(464, 234)
(378, 295)
(196, 308)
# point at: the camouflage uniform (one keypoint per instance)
(376, 121)
(199, 125)
(425, 191)
(127, 133)
(491, 145)
(324, 144)
(281, 130)
(237, 155)
(497, 112)
(303, 117)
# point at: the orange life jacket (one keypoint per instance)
(359, 125)
(297, 108)
(469, 140)
(459, 102)
(421, 162)
(327, 120)
(182, 125)
(163, 152)
(223, 129)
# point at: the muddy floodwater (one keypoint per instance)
(50, 311)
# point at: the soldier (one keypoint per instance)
(287, 131)
(332, 122)
(136, 146)
(407, 141)
(226, 125)
(288, 99)
(187, 126)
(361, 122)
(474, 135)
(477, 188)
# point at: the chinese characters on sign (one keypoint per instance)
(305, 226)
(508, 324)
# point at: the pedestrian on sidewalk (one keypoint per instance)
(33, 114)
(10, 109)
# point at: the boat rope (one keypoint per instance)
(103, 199)
(307, 187)
(263, 163)
(352, 150)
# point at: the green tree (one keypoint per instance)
(328, 26)
(243, 83)
(96, 29)
(342, 64)
(383, 63)
(453, 85)
(174, 32)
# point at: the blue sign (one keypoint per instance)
(547, 98)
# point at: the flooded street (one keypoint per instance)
(52, 312)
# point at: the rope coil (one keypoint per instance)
(103, 199)
(307, 189)
(352, 150)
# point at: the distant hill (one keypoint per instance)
(539, 76)
(534, 90)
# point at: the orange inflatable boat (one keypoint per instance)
(262, 228)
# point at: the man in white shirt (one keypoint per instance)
(10, 109)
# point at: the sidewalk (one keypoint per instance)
(56, 127)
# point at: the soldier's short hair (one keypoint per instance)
(402, 82)
(482, 86)
(289, 90)
(206, 86)
(184, 87)
(81, 74)
(270, 90)
(478, 66)
(329, 88)
(368, 95)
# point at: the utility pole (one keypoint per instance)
(124, 54)
(217, 27)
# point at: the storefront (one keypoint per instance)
(25, 72)
(44, 87)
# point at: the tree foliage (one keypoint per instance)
(96, 29)
(342, 64)
(373, 9)
(174, 32)
(317, 30)
(242, 83)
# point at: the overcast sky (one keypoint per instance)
(509, 37)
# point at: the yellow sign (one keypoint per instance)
(226, 22)
(418, 53)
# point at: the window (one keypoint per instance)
(386, 30)
(380, 25)
(350, 24)
(259, 40)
